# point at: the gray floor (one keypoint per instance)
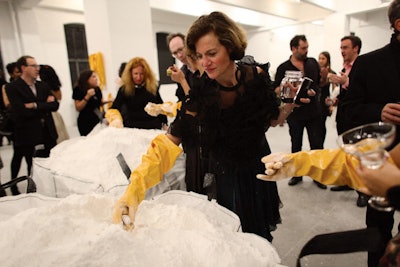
(307, 210)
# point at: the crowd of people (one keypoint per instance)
(228, 102)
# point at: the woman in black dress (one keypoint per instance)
(88, 101)
(225, 115)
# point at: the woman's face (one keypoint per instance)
(138, 75)
(322, 60)
(213, 56)
(93, 80)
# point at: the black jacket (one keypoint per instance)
(374, 82)
(30, 124)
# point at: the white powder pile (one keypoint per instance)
(93, 158)
(77, 231)
(89, 164)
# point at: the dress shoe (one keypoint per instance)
(322, 186)
(341, 188)
(362, 200)
(295, 180)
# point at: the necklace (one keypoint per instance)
(232, 88)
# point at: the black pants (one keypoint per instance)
(314, 132)
(24, 151)
(28, 152)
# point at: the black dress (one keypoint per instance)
(229, 131)
(132, 110)
(90, 115)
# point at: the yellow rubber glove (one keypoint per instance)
(167, 108)
(327, 166)
(158, 160)
(114, 118)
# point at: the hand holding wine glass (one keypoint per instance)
(378, 181)
(368, 143)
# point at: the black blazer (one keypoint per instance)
(374, 82)
(31, 125)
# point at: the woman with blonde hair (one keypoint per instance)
(138, 87)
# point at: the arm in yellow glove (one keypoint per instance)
(158, 160)
(327, 166)
(114, 118)
(167, 108)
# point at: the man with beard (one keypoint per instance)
(304, 116)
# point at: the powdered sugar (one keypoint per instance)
(77, 231)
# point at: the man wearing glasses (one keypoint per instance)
(31, 104)
(176, 44)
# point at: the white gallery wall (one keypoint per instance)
(39, 32)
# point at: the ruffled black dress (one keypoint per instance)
(226, 139)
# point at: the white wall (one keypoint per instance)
(273, 45)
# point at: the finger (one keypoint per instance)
(264, 177)
(305, 100)
(270, 172)
(277, 165)
(311, 92)
(118, 212)
(269, 165)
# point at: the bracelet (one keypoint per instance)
(84, 99)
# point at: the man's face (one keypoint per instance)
(349, 53)
(178, 50)
(300, 52)
(31, 69)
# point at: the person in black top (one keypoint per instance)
(176, 45)
(138, 87)
(88, 101)
(31, 102)
(226, 114)
(305, 116)
(373, 95)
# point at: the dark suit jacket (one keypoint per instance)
(31, 125)
(374, 82)
(312, 71)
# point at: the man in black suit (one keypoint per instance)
(373, 96)
(31, 103)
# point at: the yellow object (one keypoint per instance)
(110, 100)
(158, 160)
(96, 64)
(327, 166)
(167, 108)
(169, 72)
(114, 118)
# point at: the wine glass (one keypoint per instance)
(368, 143)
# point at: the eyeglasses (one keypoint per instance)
(179, 51)
(36, 66)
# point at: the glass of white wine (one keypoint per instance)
(368, 143)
